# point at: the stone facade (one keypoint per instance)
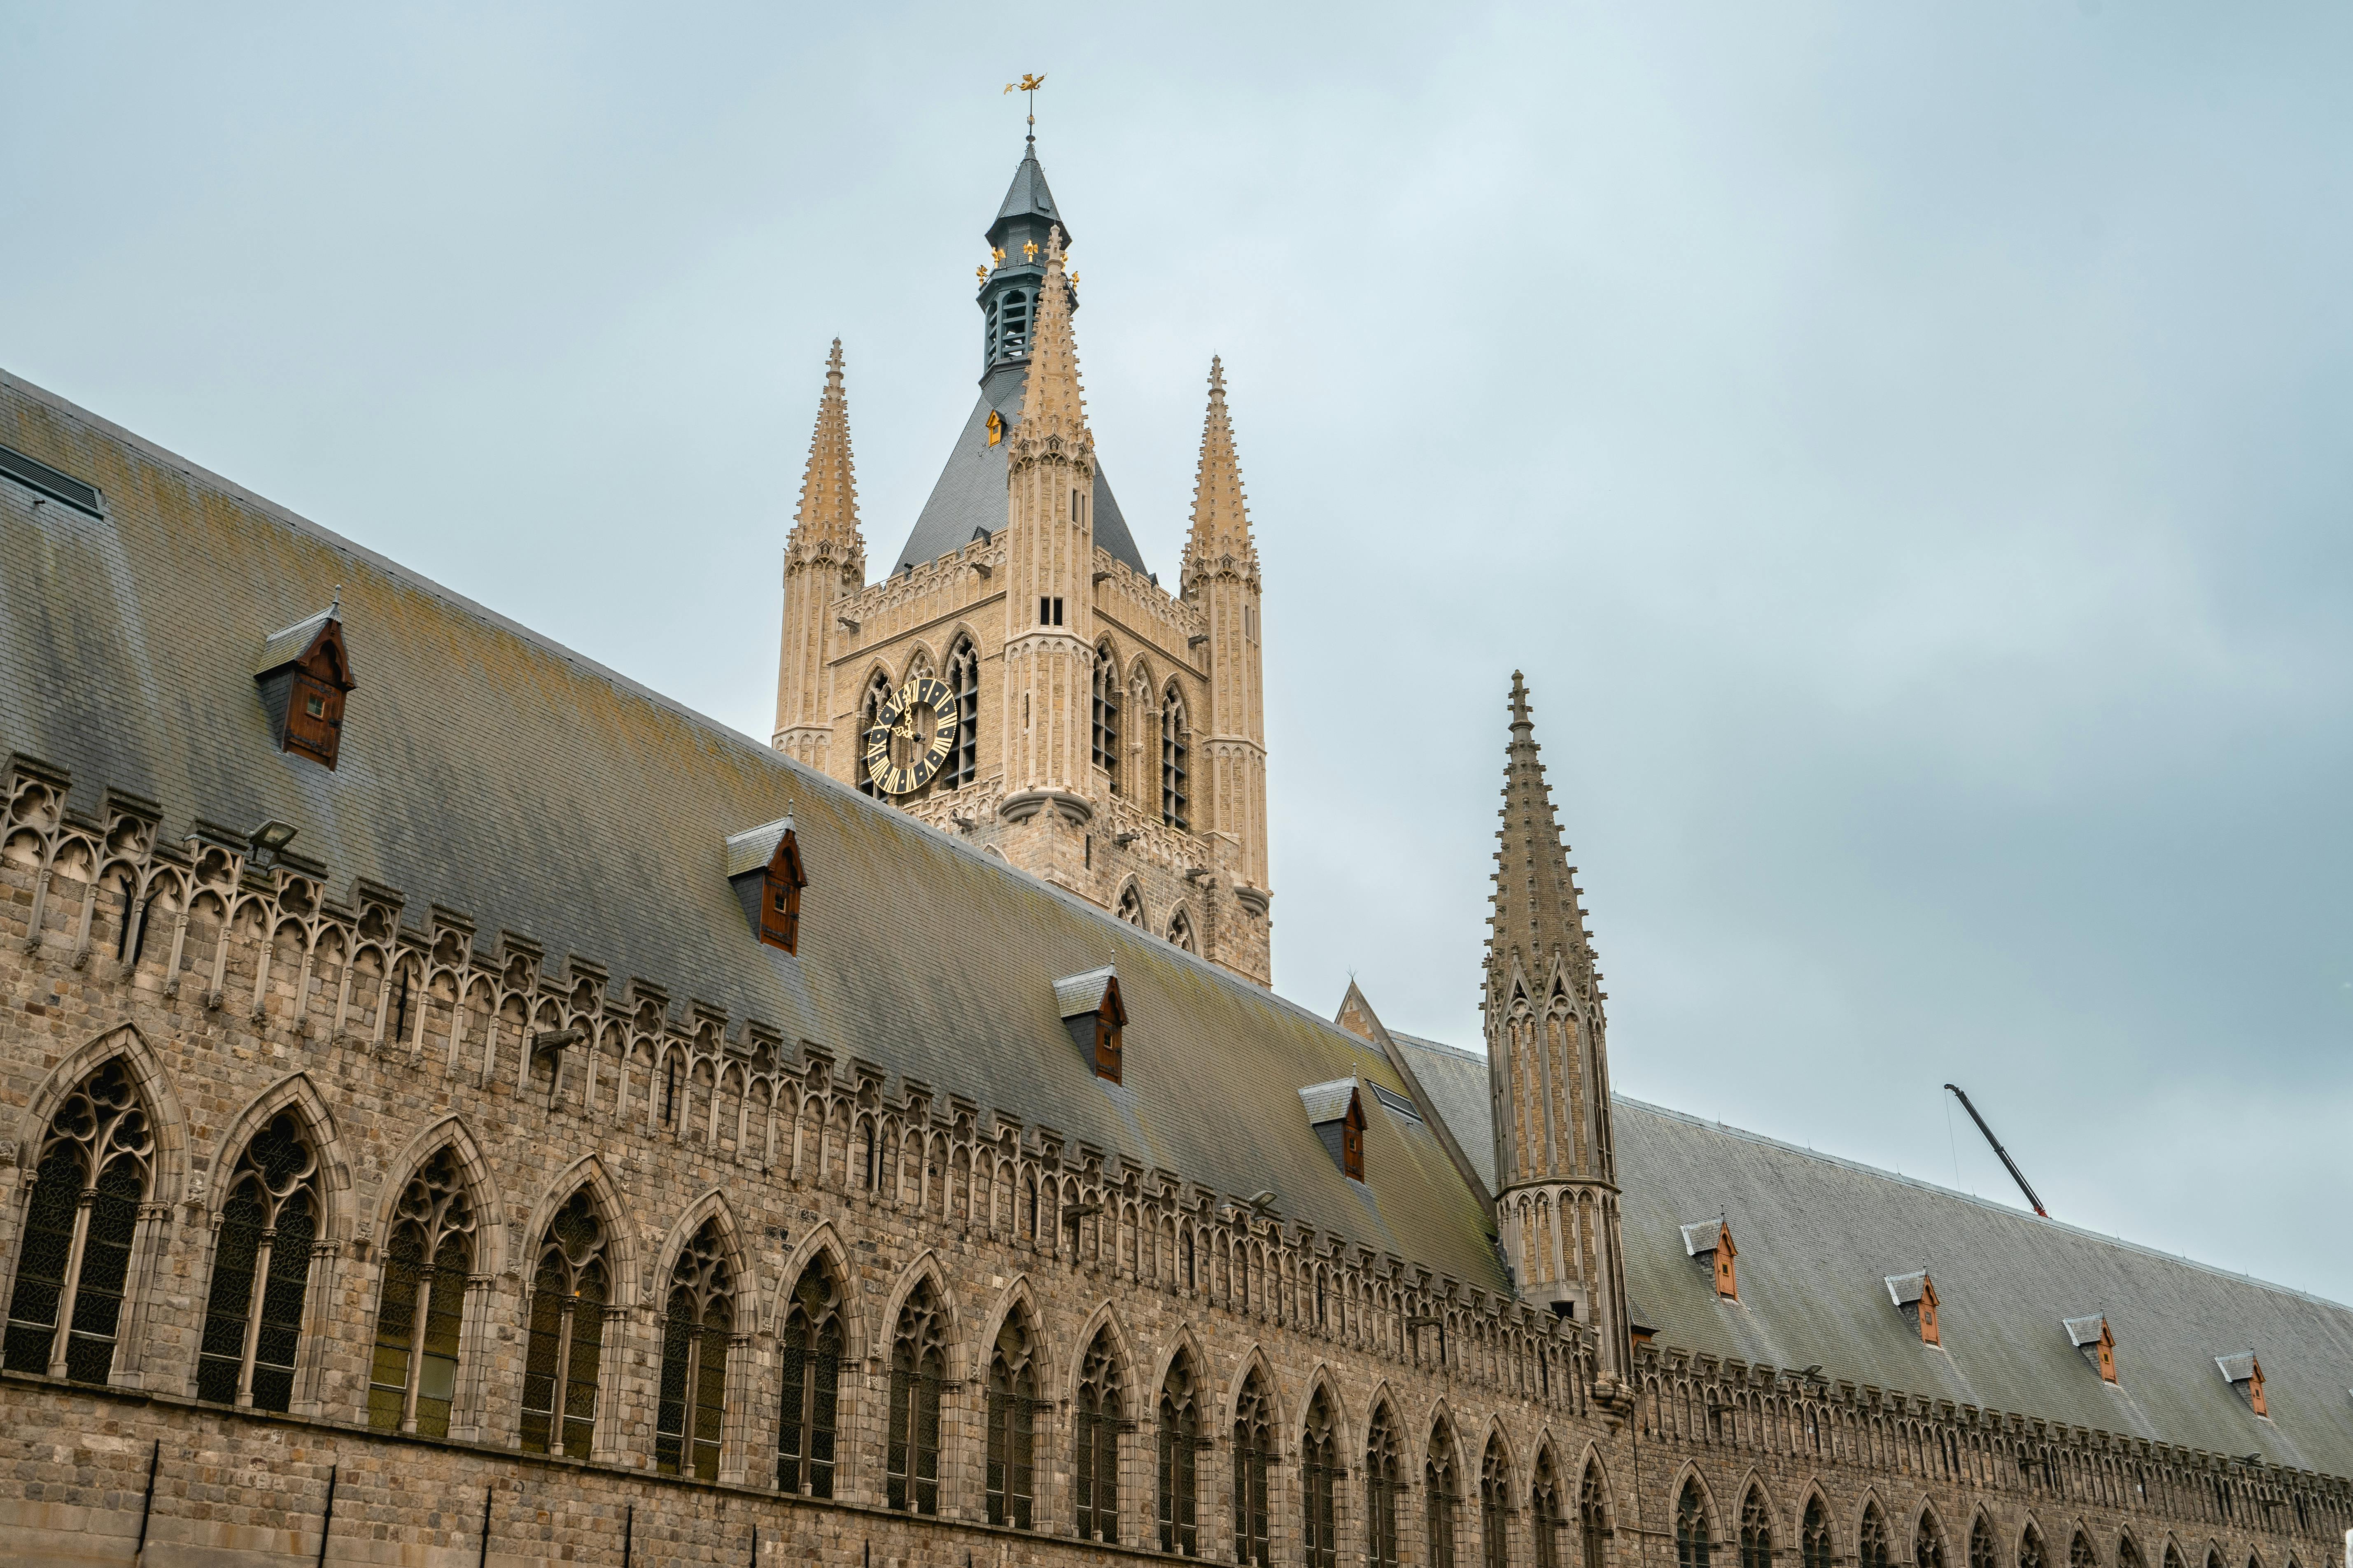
(231, 992)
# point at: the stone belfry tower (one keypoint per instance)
(1548, 1061)
(825, 558)
(1221, 577)
(1090, 725)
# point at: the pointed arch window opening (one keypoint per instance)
(1101, 1412)
(918, 1374)
(1106, 717)
(2030, 1550)
(1494, 1508)
(870, 714)
(1872, 1547)
(1757, 1532)
(1176, 763)
(563, 1356)
(1253, 1451)
(1928, 1543)
(1441, 1501)
(1691, 1543)
(1011, 1415)
(1180, 932)
(811, 1351)
(1546, 1519)
(963, 765)
(1319, 1489)
(1384, 1491)
(1814, 1536)
(698, 1322)
(262, 1270)
(413, 1378)
(1131, 905)
(95, 1169)
(1981, 1549)
(1592, 1522)
(1180, 1443)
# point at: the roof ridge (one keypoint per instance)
(1991, 1205)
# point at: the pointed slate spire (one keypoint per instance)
(1535, 919)
(1220, 512)
(1025, 198)
(828, 506)
(1053, 403)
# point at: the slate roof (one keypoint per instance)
(488, 769)
(1327, 1101)
(1824, 1242)
(970, 493)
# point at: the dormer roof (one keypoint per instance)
(1703, 1236)
(2081, 1331)
(1905, 1289)
(1082, 994)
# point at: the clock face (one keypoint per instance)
(911, 735)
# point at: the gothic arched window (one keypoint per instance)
(569, 1291)
(963, 684)
(1102, 1406)
(1870, 1541)
(1176, 763)
(811, 1348)
(1012, 1423)
(1253, 1449)
(918, 1365)
(271, 1210)
(1442, 1499)
(1545, 1517)
(413, 1379)
(1691, 1527)
(2080, 1554)
(1592, 1520)
(870, 714)
(1756, 1532)
(1981, 1552)
(1494, 1506)
(1180, 1443)
(1384, 1489)
(1131, 905)
(1928, 1544)
(1814, 1536)
(1319, 1475)
(1106, 715)
(1180, 932)
(2128, 1555)
(96, 1164)
(2030, 1550)
(696, 1326)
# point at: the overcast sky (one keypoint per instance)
(1905, 447)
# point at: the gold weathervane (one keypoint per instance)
(1029, 83)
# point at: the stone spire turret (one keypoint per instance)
(1050, 559)
(1220, 577)
(825, 558)
(1556, 1157)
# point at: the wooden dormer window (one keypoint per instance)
(764, 866)
(2244, 1374)
(2093, 1337)
(1336, 1112)
(780, 901)
(1093, 1013)
(1710, 1242)
(1914, 1295)
(304, 673)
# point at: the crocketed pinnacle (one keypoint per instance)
(1535, 921)
(1053, 403)
(1220, 512)
(829, 485)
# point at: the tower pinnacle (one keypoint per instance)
(1548, 1065)
(1052, 404)
(1221, 529)
(829, 507)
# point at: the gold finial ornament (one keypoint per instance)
(996, 254)
(1029, 83)
(981, 273)
(1029, 250)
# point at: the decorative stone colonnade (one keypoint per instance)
(233, 990)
